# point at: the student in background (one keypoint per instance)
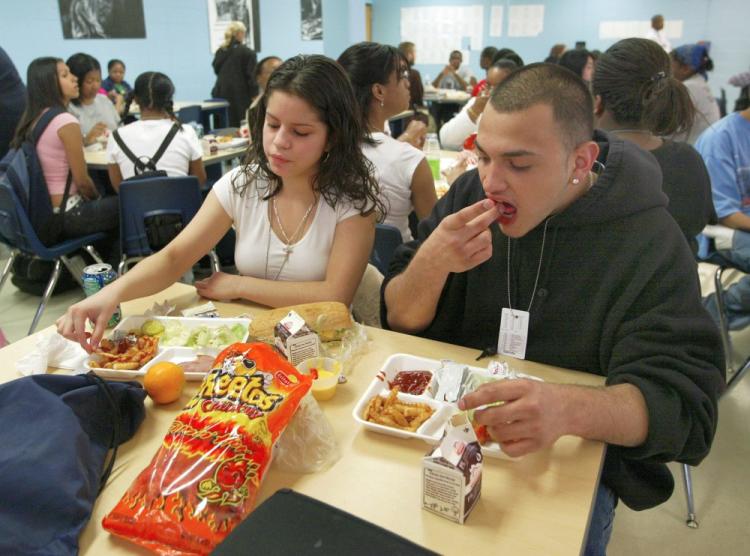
(234, 65)
(183, 156)
(691, 64)
(508, 54)
(580, 62)
(50, 84)
(454, 75)
(95, 112)
(555, 52)
(657, 33)
(115, 85)
(263, 72)
(380, 78)
(454, 132)
(416, 89)
(12, 101)
(485, 62)
(638, 99)
(303, 205)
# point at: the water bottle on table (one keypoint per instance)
(432, 153)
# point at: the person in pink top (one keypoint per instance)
(49, 84)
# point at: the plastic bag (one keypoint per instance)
(205, 476)
(308, 443)
(347, 351)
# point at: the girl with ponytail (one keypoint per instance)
(638, 99)
(153, 93)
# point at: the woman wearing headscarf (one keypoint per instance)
(690, 64)
(234, 65)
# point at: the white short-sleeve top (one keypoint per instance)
(258, 252)
(395, 162)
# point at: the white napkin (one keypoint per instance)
(52, 350)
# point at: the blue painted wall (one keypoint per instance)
(723, 22)
(176, 40)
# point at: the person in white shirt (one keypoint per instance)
(691, 64)
(183, 156)
(380, 76)
(96, 113)
(657, 33)
(454, 132)
(454, 75)
(303, 204)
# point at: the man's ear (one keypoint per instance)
(598, 106)
(584, 156)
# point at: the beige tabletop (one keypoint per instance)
(180, 104)
(539, 504)
(97, 160)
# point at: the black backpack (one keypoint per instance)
(144, 166)
(21, 170)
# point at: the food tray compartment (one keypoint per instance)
(430, 431)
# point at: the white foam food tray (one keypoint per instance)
(431, 430)
(174, 354)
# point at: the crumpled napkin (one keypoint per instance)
(52, 350)
(160, 309)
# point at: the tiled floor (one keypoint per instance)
(721, 482)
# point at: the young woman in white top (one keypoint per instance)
(96, 113)
(691, 64)
(184, 155)
(303, 204)
(380, 76)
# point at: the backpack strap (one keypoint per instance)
(164, 144)
(44, 121)
(140, 166)
(116, 418)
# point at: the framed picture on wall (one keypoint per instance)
(223, 12)
(311, 12)
(102, 19)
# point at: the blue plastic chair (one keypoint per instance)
(387, 239)
(190, 113)
(216, 118)
(17, 233)
(140, 199)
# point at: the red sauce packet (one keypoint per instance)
(204, 478)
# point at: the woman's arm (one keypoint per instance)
(72, 140)
(150, 276)
(423, 195)
(198, 169)
(115, 176)
(352, 244)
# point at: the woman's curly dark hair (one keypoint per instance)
(344, 172)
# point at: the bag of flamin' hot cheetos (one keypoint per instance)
(203, 480)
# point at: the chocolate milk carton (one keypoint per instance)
(452, 472)
(295, 340)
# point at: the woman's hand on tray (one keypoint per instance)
(98, 309)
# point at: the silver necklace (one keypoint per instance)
(288, 241)
(538, 268)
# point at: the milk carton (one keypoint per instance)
(295, 340)
(452, 472)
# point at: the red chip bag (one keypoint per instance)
(203, 480)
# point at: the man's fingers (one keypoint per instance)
(464, 216)
(497, 391)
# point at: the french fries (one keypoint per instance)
(128, 353)
(397, 414)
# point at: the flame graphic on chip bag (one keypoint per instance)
(204, 478)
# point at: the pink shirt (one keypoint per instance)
(52, 155)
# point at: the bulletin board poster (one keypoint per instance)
(222, 12)
(438, 30)
(311, 20)
(102, 19)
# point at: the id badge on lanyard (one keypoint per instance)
(514, 333)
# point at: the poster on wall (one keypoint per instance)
(222, 12)
(312, 20)
(102, 19)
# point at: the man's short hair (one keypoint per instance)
(405, 47)
(656, 18)
(567, 94)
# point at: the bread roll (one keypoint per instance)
(329, 320)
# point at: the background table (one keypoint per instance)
(97, 160)
(539, 504)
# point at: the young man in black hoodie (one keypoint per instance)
(570, 237)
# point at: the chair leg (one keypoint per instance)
(723, 321)
(122, 268)
(93, 252)
(74, 270)
(215, 266)
(691, 521)
(47, 294)
(8, 266)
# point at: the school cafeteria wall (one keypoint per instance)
(176, 40)
(718, 21)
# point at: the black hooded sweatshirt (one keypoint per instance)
(618, 296)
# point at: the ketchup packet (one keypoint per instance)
(205, 476)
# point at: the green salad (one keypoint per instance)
(174, 333)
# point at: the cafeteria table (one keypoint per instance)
(97, 160)
(214, 112)
(538, 504)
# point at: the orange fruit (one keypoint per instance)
(164, 382)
